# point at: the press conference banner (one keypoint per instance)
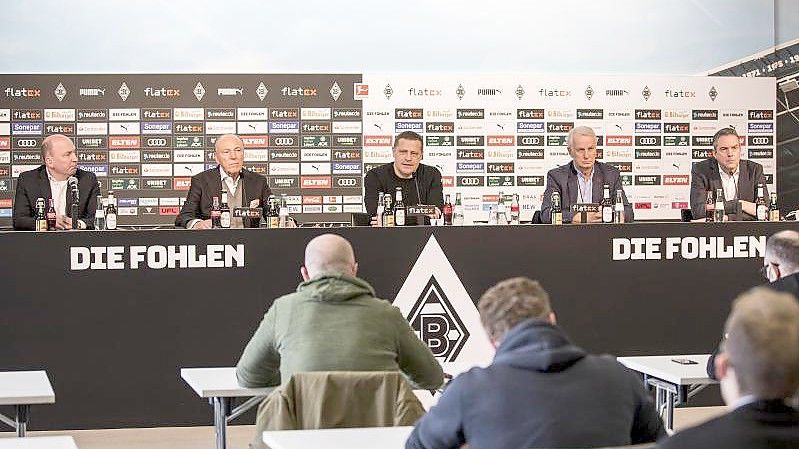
(113, 316)
(314, 136)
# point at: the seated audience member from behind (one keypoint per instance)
(420, 183)
(540, 391)
(582, 180)
(781, 262)
(738, 178)
(334, 322)
(758, 369)
(780, 267)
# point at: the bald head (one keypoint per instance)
(782, 249)
(56, 140)
(229, 152)
(226, 139)
(329, 253)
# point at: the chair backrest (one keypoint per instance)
(686, 215)
(335, 399)
(537, 217)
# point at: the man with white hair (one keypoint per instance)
(244, 188)
(581, 180)
(334, 322)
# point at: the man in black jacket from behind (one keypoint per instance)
(540, 391)
(758, 369)
(420, 184)
(780, 267)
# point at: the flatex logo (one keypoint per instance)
(440, 310)
(23, 92)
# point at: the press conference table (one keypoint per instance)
(58, 442)
(674, 382)
(220, 387)
(350, 438)
(22, 389)
(140, 326)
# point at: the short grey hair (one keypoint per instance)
(579, 131)
(783, 248)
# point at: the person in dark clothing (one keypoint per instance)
(540, 391)
(780, 267)
(758, 370)
(420, 184)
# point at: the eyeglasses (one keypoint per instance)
(764, 269)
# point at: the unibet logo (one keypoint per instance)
(434, 318)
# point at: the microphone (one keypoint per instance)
(418, 193)
(72, 182)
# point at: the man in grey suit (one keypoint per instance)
(725, 170)
(581, 180)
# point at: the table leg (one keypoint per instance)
(22, 419)
(670, 411)
(220, 421)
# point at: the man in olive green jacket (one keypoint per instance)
(334, 322)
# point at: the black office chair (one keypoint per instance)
(686, 215)
(537, 218)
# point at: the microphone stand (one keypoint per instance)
(74, 206)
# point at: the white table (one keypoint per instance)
(220, 386)
(673, 382)
(23, 389)
(350, 438)
(64, 442)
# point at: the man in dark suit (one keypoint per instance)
(781, 262)
(51, 180)
(758, 370)
(725, 170)
(244, 188)
(780, 267)
(581, 180)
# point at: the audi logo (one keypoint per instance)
(470, 181)
(346, 182)
(26, 143)
(647, 141)
(284, 141)
(760, 140)
(156, 142)
(531, 141)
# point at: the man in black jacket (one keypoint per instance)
(781, 262)
(540, 391)
(244, 188)
(780, 267)
(737, 178)
(759, 372)
(51, 180)
(420, 184)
